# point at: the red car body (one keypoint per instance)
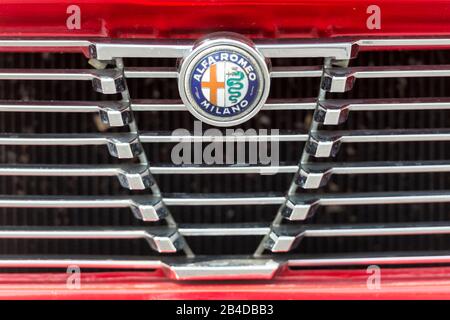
(256, 19)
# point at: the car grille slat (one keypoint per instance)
(315, 175)
(133, 177)
(165, 240)
(333, 112)
(286, 239)
(296, 72)
(274, 104)
(264, 221)
(155, 72)
(235, 169)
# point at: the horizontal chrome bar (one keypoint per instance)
(223, 230)
(108, 50)
(144, 208)
(158, 105)
(326, 143)
(404, 42)
(399, 135)
(306, 49)
(411, 259)
(315, 175)
(60, 139)
(166, 137)
(231, 169)
(121, 145)
(121, 202)
(240, 268)
(150, 72)
(296, 72)
(83, 263)
(55, 106)
(114, 114)
(179, 49)
(44, 43)
(164, 235)
(290, 104)
(300, 207)
(342, 79)
(222, 199)
(52, 74)
(276, 72)
(333, 112)
(397, 71)
(165, 240)
(221, 269)
(382, 230)
(64, 170)
(224, 269)
(133, 177)
(107, 81)
(283, 48)
(285, 239)
(177, 105)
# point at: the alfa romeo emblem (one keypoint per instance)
(224, 81)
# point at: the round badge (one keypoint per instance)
(224, 81)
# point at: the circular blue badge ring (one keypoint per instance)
(233, 75)
(236, 60)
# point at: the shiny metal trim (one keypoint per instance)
(144, 208)
(342, 79)
(231, 269)
(150, 72)
(412, 259)
(404, 42)
(134, 233)
(107, 81)
(108, 50)
(133, 177)
(213, 199)
(306, 49)
(166, 137)
(102, 50)
(240, 229)
(296, 72)
(239, 268)
(269, 240)
(316, 175)
(120, 145)
(44, 43)
(83, 263)
(283, 239)
(231, 169)
(112, 113)
(327, 143)
(155, 190)
(333, 112)
(302, 48)
(301, 207)
(283, 48)
(163, 240)
(177, 105)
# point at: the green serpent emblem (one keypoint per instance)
(235, 85)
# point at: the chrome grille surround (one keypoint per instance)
(294, 205)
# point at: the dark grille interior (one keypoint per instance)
(289, 153)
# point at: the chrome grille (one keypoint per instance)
(248, 233)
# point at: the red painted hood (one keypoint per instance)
(414, 283)
(194, 18)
